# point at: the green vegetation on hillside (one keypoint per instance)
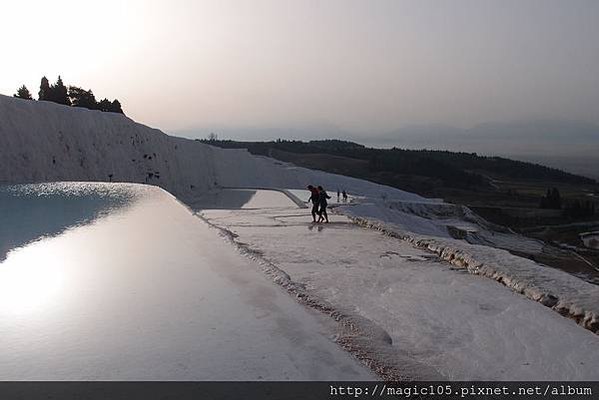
(459, 170)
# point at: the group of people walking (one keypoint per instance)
(344, 195)
(318, 198)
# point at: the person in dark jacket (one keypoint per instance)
(314, 196)
(322, 204)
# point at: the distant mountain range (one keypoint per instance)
(571, 145)
(536, 134)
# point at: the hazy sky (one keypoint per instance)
(363, 66)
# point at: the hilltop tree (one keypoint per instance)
(105, 105)
(108, 106)
(59, 93)
(23, 93)
(82, 98)
(44, 92)
(115, 107)
(74, 96)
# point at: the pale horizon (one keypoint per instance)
(354, 67)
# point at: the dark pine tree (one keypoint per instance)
(552, 199)
(82, 98)
(23, 93)
(115, 107)
(105, 105)
(556, 198)
(44, 92)
(59, 93)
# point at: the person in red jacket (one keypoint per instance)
(314, 198)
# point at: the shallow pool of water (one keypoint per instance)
(233, 199)
(123, 282)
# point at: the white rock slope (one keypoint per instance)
(44, 142)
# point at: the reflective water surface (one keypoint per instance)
(28, 212)
(122, 282)
(231, 199)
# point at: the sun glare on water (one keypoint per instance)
(31, 279)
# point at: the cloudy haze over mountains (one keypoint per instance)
(571, 145)
(565, 144)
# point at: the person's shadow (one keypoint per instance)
(319, 227)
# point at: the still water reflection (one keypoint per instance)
(123, 282)
(233, 199)
(28, 212)
(31, 277)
